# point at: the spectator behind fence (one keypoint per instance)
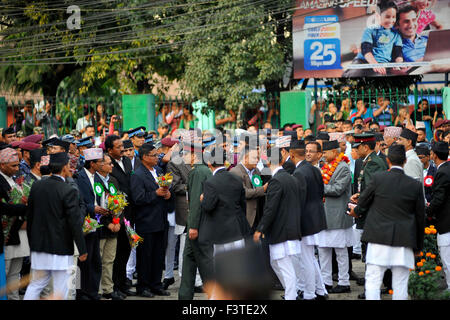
(188, 120)
(84, 121)
(29, 118)
(47, 119)
(360, 111)
(346, 106)
(100, 118)
(383, 112)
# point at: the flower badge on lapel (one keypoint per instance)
(256, 181)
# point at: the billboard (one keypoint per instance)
(367, 38)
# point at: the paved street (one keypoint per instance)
(358, 268)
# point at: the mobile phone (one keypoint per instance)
(350, 206)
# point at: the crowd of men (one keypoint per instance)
(312, 202)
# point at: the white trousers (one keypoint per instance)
(41, 278)
(170, 253)
(358, 234)
(374, 279)
(310, 281)
(198, 279)
(131, 264)
(326, 266)
(444, 252)
(287, 270)
(12, 269)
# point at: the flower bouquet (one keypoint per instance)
(116, 204)
(17, 195)
(164, 181)
(133, 237)
(91, 225)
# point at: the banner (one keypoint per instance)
(367, 38)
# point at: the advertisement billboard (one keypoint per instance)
(366, 38)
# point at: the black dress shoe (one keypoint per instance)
(199, 289)
(145, 294)
(161, 292)
(356, 256)
(127, 292)
(340, 289)
(282, 297)
(328, 287)
(113, 296)
(360, 281)
(362, 296)
(128, 283)
(299, 295)
(167, 282)
(320, 297)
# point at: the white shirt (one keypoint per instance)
(383, 255)
(120, 162)
(8, 179)
(249, 173)
(215, 171)
(276, 170)
(91, 180)
(47, 261)
(298, 163)
(154, 174)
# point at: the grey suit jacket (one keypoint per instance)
(179, 187)
(337, 194)
(251, 193)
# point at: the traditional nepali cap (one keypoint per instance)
(85, 142)
(169, 142)
(295, 126)
(408, 134)
(56, 142)
(330, 145)
(338, 136)
(297, 144)
(323, 136)
(392, 132)
(68, 138)
(35, 138)
(28, 146)
(45, 160)
(36, 155)
(127, 144)
(440, 146)
(93, 154)
(139, 132)
(75, 133)
(362, 138)
(60, 158)
(8, 155)
(422, 150)
(322, 126)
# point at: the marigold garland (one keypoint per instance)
(328, 169)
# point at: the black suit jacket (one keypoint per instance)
(282, 219)
(289, 166)
(358, 167)
(224, 208)
(313, 212)
(150, 209)
(432, 170)
(393, 204)
(53, 218)
(17, 210)
(439, 207)
(86, 192)
(383, 157)
(124, 179)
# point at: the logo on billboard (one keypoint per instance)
(322, 45)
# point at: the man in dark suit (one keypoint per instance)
(53, 203)
(379, 140)
(152, 203)
(429, 170)
(223, 222)
(91, 269)
(313, 219)
(281, 223)
(439, 206)
(394, 205)
(122, 170)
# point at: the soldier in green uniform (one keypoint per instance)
(365, 144)
(196, 254)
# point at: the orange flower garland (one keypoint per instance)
(328, 169)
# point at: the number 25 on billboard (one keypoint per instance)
(322, 54)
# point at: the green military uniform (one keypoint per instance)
(195, 254)
(371, 165)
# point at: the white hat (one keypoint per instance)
(93, 154)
